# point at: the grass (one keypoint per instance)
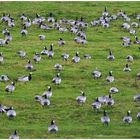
(73, 121)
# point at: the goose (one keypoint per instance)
(74, 29)
(76, 59)
(57, 80)
(126, 68)
(65, 56)
(38, 19)
(103, 99)
(105, 119)
(5, 18)
(82, 98)
(1, 57)
(132, 31)
(23, 17)
(138, 116)
(27, 23)
(96, 74)
(48, 93)
(62, 29)
(53, 128)
(58, 67)
(11, 23)
(51, 18)
(110, 56)
(96, 105)
(10, 87)
(25, 78)
(42, 37)
(3, 42)
(14, 136)
(38, 98)
(129, 58)
(134, 24)
(126, 26)
(113, 90)
(120, 13)
(29, 66)
(125, 39)
(127, 119)
(126, 44)
(61, 42)
(2, 108)
(21, 53)
(105, 12)
(50, 52)
(4, 78)
(37, 57)
(137, 41)
(5, 31)
(110, 101)
(10, 112)
(105, 24)
(137, 97)
(24, 32)
(45, 51)
(110, 78)
(87, 56)
(8, 37)
(44, 26)
(45, 101)
(94, 22)
(55, 24)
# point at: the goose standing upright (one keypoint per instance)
(14, 136)
(111, 56)
(82, 98)
(110, 78)
(126, 68)
(105, 119)
(29, 66)
(53, 127)
(10, 87)
(57, 80)
(76, 59)
(10, 112)
(96, 105)
(48, 93)
(127, 119)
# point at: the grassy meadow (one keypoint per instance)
(73, 121)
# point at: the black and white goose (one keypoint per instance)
(105, 119)
(42, 37)
(23, 17)
(76, 58)
(14, 136)
(48, 93)
(127, 119)
(3, 42)
(138, 116)
(134, 24)
(10, 87)
(110, 101)
(2, 108)
(50, 18)
(37, 57)
(82, 98)
(87, 56)
(129, 58)
(45, 101)
(57, 80)
(10, 112)
(24, 32)
(58, 67)
(44, 51)
(5, 31)
(51, 52)
(137, 97)
(126, 68)
(103, 99)
(65, 56)
(110, 56)
(96, 74)
(27, 23)
(25, 78)
(29, 66)
(113, 90)
(61, 42)
(4, 78)
(8, 37)
(96, 105)
(137, 41)
(1, 57)
(21, 53)
(105, 12)
(53, 128)
(110, 77)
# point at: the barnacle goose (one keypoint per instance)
(42, 37)
(29, 66)
(45, 51)
(110, 56)
(110, 101)
(126, 68)
(96, 105)
(53, 128)
(4, 78)
(61, 42)
(14, 136)
(58, 67)
(21, 53)
(51, 52)
(127, 119)
(37, 57)
(76, 58)
(10, 87)
(129, 58)
(96, 74)
(10, 112)
(105, 119)
(25, 78)
(110, 78)
(113, 90)
(65, 56)
(48, 93)
(82, 98)
(57, 80)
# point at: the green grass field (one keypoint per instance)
(73, 121)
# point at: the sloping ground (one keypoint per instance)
(74, 121)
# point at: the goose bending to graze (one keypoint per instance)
(138, 116)
(76, 59)
(110, 78)
(137, 41)
(135, 24)
(21, 54)
(48, 93)
(11, 23)
(65, 56)
(5, 31)
(61, 42)
(1, 57)
(58, 67)
(42, 37)
(24, 32)
(96, 74)
(57, 80)
(14, 136)
(4, 78)
(103, 99)
(110, 101)
(3, 42)
(10, 112)
(2, 108)
(25, 78)
(37, 57)
(51, 18)
(44, 51)
(126, 26)
(127, 119)
(62, 29)
(51, 52)
(8, 37)
(23, 17)
(27, 23)
(10, 87)
(132, 31)
(129, 58)
(126, 68)
(29, 66)
(113, 90)
(38, 19)
(96, 105)
(87, 56)
(82, 98)
(53, 128)
(110, 56)
(45, 101)
(137, 97)
(105, 119)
